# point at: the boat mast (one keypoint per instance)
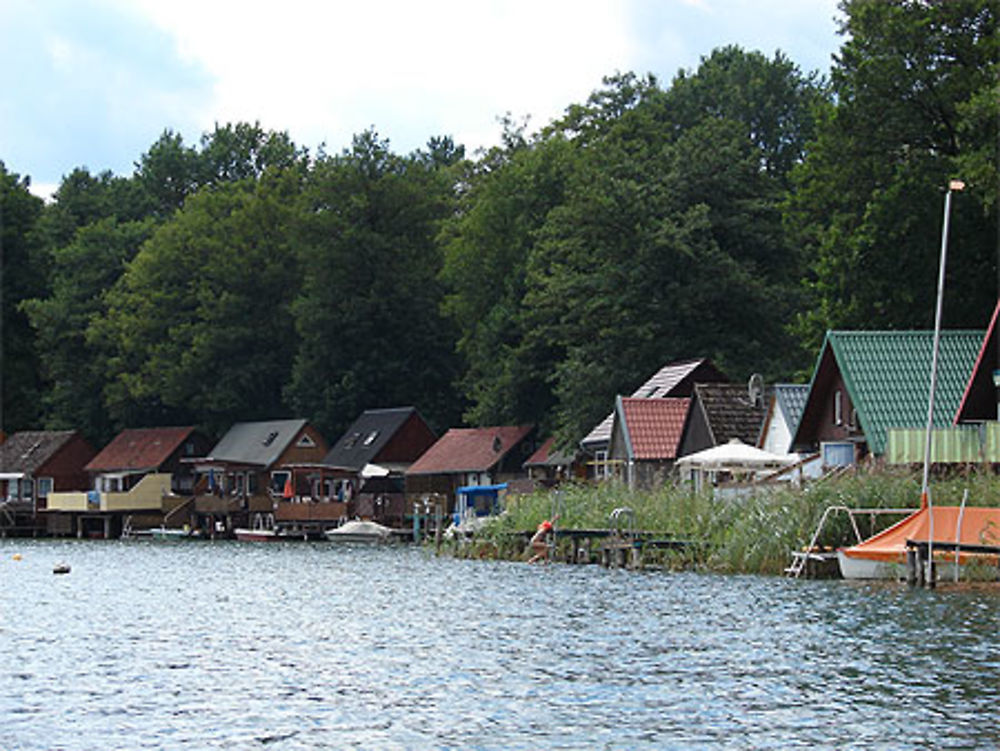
(925, 494)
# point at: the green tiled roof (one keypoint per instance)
(887, 374)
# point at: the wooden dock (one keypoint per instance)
(609, 548)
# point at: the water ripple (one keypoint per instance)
(310, 647)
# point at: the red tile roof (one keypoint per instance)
(541, 456)
(469, 450)
(139, 448)
(654, 426)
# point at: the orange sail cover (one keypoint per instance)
(979, 526)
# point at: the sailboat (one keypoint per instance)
(948, 537)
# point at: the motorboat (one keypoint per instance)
(175, 534)
(359, 530)
(261, 530)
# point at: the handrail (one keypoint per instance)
(615, 519)
(177, 508)
(799, 563)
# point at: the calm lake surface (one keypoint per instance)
(312, 646)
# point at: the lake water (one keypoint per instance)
(311, 646)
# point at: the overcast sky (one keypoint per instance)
(94, 83)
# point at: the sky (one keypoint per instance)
(94, 83)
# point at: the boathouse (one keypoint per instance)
(138, 481)
(247, 478)
(33, 466)
(374, 454)
(469, 457)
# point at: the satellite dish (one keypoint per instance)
(755, 389)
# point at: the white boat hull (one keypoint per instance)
(359, 532)
(853, 567)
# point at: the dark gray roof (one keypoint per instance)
(729, 412)
(256, 443)
(30, 449)
(366, 436)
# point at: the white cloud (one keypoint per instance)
(326, 71)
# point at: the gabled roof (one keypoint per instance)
(790, 398)
(256, 443)
(28, 450)
(979, 400)
(366, 436)
(547, 456)
(139, 449)
(887, 377)
(469, 450)
(675, 379)
(729, 412)
(652, 428)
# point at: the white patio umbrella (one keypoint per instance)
(735, 456)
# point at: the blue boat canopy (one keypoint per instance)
(481, 489)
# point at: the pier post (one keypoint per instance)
(912, 565)
(930, 575)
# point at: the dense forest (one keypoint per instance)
(736, 213)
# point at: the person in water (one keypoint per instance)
(539, 542)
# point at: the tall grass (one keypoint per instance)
(755, 533)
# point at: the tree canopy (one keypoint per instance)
(735, 212)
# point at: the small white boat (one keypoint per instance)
(359, 531)
(175, 534)
(262, 530)
(258, 535)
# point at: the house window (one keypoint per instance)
(278, 480)
(352, 440)
(306, 442)
(600, 464)
(838, 407)
(370, 438)
(23, 488)
(45, 485)
(837, 454)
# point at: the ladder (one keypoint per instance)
(801, 558)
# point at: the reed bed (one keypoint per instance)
(752, 533)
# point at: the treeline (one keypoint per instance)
(736, 213)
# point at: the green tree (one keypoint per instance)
(644, 226)
(199, 326)
(368, 320)
(170, 171)
(487, 244)
(73, 368)
(21, 277)
(916, 104)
